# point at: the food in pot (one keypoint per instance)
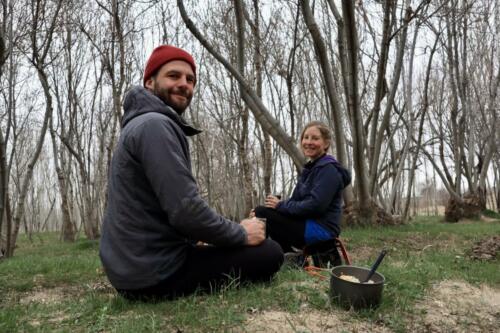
(354, 279)
(349, 278)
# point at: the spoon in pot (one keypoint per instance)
(375, 265)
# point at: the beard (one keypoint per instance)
(167, 95)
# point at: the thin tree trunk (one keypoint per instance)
(493, 138)
(425, 107)
(243, 141)
(4, 192)
(380, 87)
(374, 165)
(411, 128)
(267, 149)
(453, 70)
(351, 61)
(39, 57)
(20, 210)
(5, 209)
(68, 231)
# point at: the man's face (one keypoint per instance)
(174, 84)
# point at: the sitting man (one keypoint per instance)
(155, 215)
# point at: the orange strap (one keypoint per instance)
(315, 271)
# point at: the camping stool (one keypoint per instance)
(327, 251)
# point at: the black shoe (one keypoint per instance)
(331, 257)
(295, 259)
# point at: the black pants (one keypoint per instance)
(207, 268)
(288, 231)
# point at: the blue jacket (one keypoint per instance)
(154, 211)
(318, 194)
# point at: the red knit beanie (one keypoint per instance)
(163, 54)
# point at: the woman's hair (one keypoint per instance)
(326, 134)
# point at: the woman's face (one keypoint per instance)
(313, 145)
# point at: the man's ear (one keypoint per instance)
(150, 84)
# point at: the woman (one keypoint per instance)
(313, 212)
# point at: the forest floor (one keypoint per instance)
(440, 277)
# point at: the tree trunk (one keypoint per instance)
(380, 87)
(20, 209)
(39, 56)
(267, 152)
(5, 215)
(420, 129)
(365, 202)
(4, 193)
(68, 230)
(374, 164)
(243, 141)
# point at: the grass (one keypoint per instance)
(491, 214)
(51, 286)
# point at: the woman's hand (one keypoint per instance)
(272, 201)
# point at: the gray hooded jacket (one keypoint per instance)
(154, 212)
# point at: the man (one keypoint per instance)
(155, 214)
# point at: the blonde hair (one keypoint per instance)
(325, 132)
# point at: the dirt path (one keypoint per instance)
(450, 306)
(456, 306)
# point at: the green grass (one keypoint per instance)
(491, 214)
(420, 254)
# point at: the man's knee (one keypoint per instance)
(273, 253)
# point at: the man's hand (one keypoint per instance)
(256, 231)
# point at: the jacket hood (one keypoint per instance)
(328, 159)
(139, 101)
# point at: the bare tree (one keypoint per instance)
(410, 88)
(262, 115)
(466, 133)
(423, 112)
(43, 18)
(3, 164)
(243, 140)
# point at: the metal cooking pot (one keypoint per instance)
(356, 295)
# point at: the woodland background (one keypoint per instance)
(410, 89)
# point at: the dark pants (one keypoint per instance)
(288, 231)
(207, 268)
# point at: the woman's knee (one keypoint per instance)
(261, 211)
